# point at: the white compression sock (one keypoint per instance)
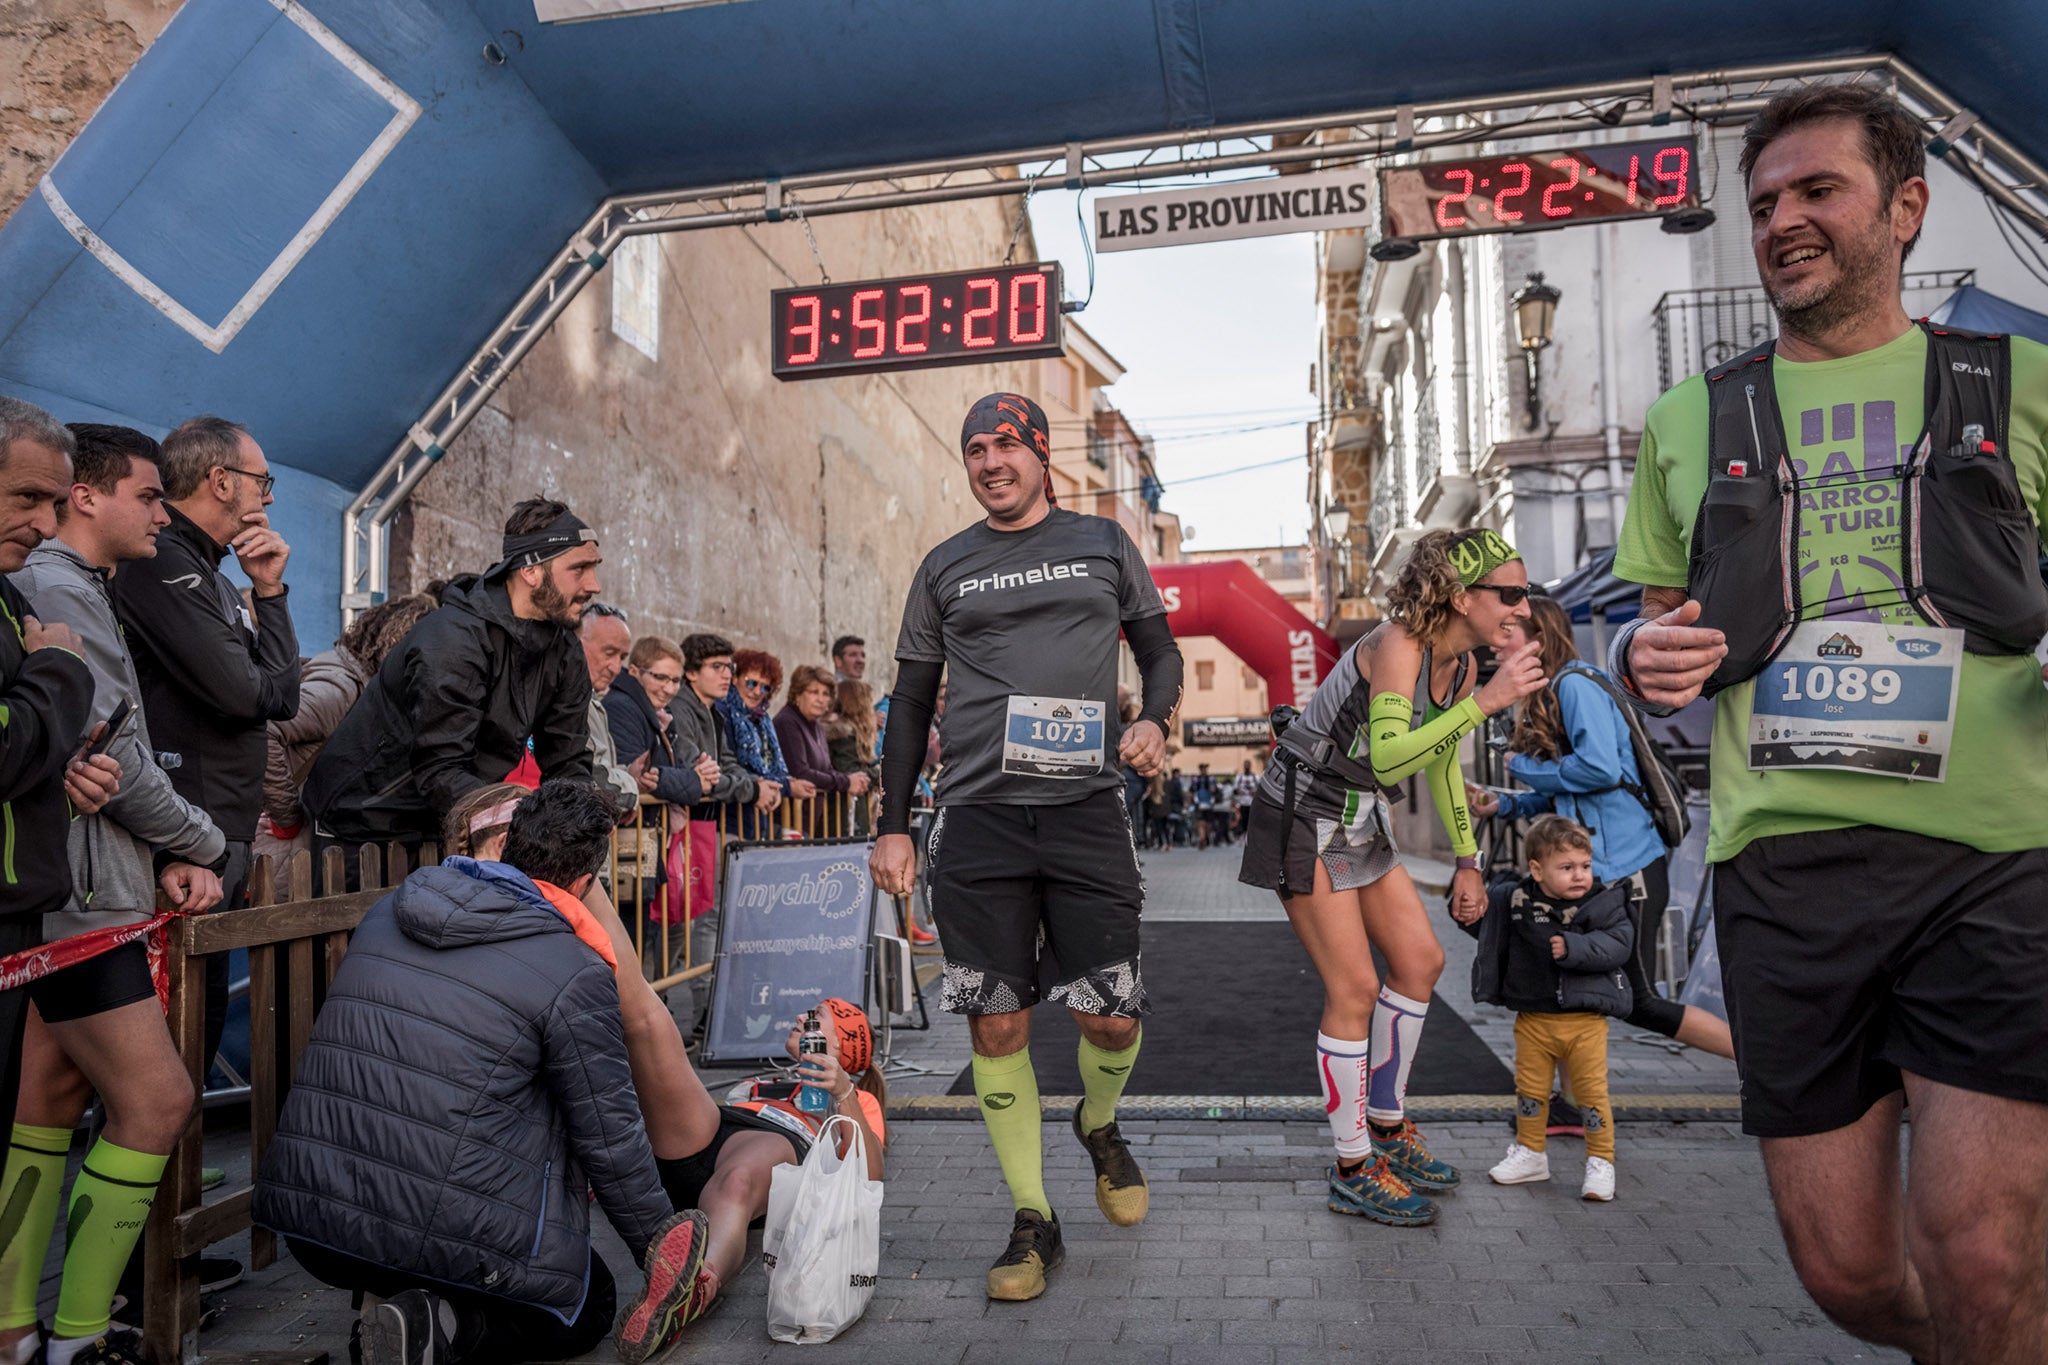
(1342, 1066)
(1396, 1031)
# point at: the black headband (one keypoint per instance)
(526, 550)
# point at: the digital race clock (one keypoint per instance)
(965, 318)
(1525, 191)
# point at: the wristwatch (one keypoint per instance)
(1472, 862)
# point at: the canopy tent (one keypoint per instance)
(1973, 308)
(308, 213)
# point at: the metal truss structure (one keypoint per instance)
(2004, 173)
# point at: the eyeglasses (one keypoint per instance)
(665, 679)
(755, 685)
(715, 666)
(264, 482)
(1509, 596)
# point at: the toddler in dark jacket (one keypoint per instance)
(1553, 947)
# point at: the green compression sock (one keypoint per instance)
(29, 1194)
(1103, 1075)
(1008, 1089)
(109, 1205)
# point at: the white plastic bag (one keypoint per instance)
(823, 1239)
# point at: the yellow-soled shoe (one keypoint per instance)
(1120, 1189)
(1035, 1248)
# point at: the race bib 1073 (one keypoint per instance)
(1054, 737)
(1859, 696)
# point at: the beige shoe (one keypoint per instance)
(1120, 1190)
(1035, 1248)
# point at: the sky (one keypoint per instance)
(1217, 341)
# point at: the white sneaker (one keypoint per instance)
(1521, 1166)
(1599, 1180)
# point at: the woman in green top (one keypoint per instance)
(1320, 837)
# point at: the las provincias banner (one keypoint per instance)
(1235, 208)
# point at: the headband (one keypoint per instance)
(500, 814)
(526, 550)
(1475, 554)
(1013, 415)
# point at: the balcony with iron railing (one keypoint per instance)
(1697, 329)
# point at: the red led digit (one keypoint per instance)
(1563, 163)
(1501, 210)
(864, 349)
(921, 319)
(1682, 175)
(1635, 178)
(985, 313)
(808, 329)
(1027, 296)
(1444, 217)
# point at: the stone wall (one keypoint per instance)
(59, 59)
(777, 514)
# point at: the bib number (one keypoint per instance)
(1054, 737)
(1859, 696)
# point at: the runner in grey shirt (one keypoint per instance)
(1032, 870)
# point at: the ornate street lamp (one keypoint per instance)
(1337, 517)
(1535, 306)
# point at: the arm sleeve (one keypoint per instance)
(1595, 762)
(42, 719)
(1398, 752)
(1160, 667)
(1598, 950)
(1447, 790)
(1523, 805)
(592, 1082)
(910, 717)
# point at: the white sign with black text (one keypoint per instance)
(1232, 209)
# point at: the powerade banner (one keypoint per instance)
(1216, 732)
(794, 924)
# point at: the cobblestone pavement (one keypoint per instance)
(1240, 1261)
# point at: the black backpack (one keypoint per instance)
(1661, 792)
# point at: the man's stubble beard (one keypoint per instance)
(556, 605)
(1862, 267)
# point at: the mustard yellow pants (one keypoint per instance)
(1580, 1042)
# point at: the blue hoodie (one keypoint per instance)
(1625, 841)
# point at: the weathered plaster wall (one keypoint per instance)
(777, 514)
(58, 61)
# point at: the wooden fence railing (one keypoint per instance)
(300, 941)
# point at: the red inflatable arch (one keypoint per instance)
(1226, 598)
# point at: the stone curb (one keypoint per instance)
(1309, 1108)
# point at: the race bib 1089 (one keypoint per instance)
(1859, 696)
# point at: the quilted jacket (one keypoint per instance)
(467, 1083)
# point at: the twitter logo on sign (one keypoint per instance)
(757, 1024)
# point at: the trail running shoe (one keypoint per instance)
(405, 1330)
(652, 1321)
(1521, 1166)
(1599, 1186)
(1035, 1248)
(1375, 1191)
(1413, 1163)
(1120, 1190)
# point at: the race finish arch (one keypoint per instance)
(1227, 599)
(344, 222)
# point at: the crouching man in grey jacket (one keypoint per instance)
(467, 1075)
(97, 1025)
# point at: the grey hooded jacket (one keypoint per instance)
(113, 853)
(467, 1083)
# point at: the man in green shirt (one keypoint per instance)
(1880, 783)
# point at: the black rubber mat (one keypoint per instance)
(1235, 1007)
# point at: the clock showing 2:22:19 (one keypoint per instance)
(1526, 191)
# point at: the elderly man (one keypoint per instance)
(606, 642)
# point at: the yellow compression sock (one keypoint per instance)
(110, 1202)
(1103, 1076)
(29, 1195)
(1008, 1090)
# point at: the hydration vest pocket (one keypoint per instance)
(1975, 542)
(1740, 541)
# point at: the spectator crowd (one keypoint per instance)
(159, 725)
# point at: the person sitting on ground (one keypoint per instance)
(1554, 948)
(715, 1159)
(744, 710)
(468, 1083)
(800, 726)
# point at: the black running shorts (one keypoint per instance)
(1851, 955)
(1003, 877)
(95, 986)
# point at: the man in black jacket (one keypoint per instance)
(457, 700)
(45, 699)
(467, 1088)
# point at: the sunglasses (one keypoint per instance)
(1509, 596)
(753, 685)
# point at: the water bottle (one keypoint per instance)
(810, 1098)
